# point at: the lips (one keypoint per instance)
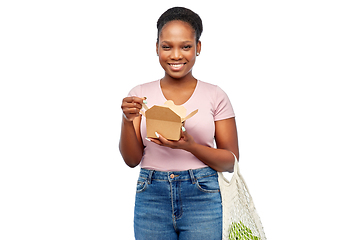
(176, 66)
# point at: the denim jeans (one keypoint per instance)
(183, 205)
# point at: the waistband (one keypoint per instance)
(191, 174)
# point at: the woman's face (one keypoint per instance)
(177, 49)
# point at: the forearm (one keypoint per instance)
(221, 160)
(130, 147)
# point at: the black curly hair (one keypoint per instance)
(182, 14)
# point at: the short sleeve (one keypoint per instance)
(222, 108)
(136, 92)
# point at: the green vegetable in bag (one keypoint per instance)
(239, 231)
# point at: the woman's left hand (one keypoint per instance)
(185, 142)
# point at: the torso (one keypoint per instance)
(212, 104)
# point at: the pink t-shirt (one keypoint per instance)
(213, 105)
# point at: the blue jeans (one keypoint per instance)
(183, 205)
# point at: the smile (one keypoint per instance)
(176, 66)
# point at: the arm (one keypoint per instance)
(220, 159)
(130, 144)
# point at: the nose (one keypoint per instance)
(176, 54)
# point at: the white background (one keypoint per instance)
(66, 65)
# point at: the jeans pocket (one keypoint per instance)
(208, 184)
(141, 184)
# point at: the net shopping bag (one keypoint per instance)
(240, 219)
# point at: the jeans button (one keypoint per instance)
(172, 176)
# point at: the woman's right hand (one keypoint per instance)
(131, 107)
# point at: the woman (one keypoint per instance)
(178, 194)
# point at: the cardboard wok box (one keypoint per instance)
(166, 120)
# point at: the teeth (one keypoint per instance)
(176, 65)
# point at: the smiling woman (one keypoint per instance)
(161, 212)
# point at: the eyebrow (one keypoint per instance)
(171, 42)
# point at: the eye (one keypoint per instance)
(165, 47)
(187, 47)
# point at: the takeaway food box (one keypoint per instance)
(167, 120)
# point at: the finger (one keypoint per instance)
(155, 140)
(131, 111)
(126, 105)
(128, 99)
(166, 142)
(133, 99)
(184, 133)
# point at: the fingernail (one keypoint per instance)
(157, 134)
(144, 101)
(183, 129)
(148, 139)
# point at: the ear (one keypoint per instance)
(199, 47)
(157, 44)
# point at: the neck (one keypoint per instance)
(188, 79)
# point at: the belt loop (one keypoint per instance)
(193, 179)
(149, 179)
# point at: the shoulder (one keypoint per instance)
(147, 85)
(144, 88)
(211, 89)
(207, 85)
(220, 102)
